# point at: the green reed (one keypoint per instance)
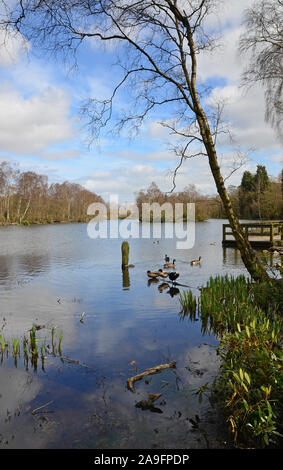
(3, 344)
(248, 389)
(30, 349)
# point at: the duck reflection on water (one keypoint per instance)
(173, 291)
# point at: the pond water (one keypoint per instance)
(77, 396)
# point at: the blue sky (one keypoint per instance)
(40, 127)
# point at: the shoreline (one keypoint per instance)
(28, 224)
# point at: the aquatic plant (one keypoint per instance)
(30, 348)
(3, 344)
(245, 316)
(189, 304)
(251, 380)
(16, 347)
(33, 343)
(16, 350)
(60, 342)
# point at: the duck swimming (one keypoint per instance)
(170, 265)
(196, 261)
(167, 259)
(173, 276)
(162, 273)
(152, 274)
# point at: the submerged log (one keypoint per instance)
(150, 371)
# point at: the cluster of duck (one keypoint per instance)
(163, 274)
(173, 275)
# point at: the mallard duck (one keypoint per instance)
(167, 259)
(152, 274)
(162, 273)
(170, 265)
(156, 242)
(196, 261)
(173, 276)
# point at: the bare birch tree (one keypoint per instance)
(157, 43)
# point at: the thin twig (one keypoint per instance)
(40, 407)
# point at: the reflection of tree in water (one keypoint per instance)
(33, 264)
(6, 263)
(231, 256)
(29, 265)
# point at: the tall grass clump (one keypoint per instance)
(247, 318)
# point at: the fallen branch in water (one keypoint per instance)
(151, 370)
(40, 407)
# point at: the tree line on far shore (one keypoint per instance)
(257, 197)
(26, 198)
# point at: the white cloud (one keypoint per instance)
(61, 154)
(12, 48)
(35, 118)
(228, 14)
(277, 158)
(30, 124)
(224, 61)
(127, 181)
(133, 155)
(244, 113)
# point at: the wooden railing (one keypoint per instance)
(268, 233)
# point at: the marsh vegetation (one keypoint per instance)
(247, 318)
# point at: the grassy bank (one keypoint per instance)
(247, 318)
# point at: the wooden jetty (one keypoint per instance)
(260, 234)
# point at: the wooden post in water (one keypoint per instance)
(125, 254)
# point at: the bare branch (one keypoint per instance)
(263, 42)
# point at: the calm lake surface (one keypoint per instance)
(78, 397)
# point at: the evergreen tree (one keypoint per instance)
(261, 179)
(247, 183)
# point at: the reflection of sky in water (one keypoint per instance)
(49, 275)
